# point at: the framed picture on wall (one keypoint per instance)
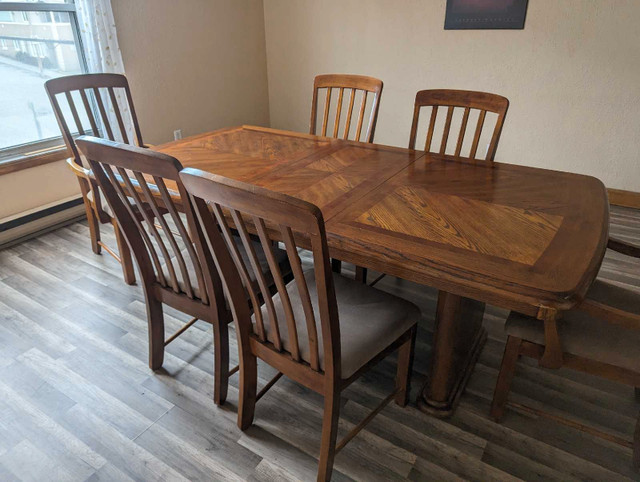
(485, 14)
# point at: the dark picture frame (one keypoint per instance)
(485, 14)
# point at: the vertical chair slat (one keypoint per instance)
(134, 117)
(103, 113)
(241, 267)
(262, 282)
(363, 105)
(347, 125)
(372, 117)
(336, 124)
(151, 201)
(267, 247)
(432, 126)
(89, 111)
(182, 231)
(493, 145)
(414, 127)
(463, 130)
(116, 109)
(116, 183)
(74, 112)
(476, 137)
(152, 227)
(325, 119)
(303, 291)
(447, 128)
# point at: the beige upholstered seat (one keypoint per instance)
(370, 320)
(280, 255)
(589, 337)
(615, 296)
(103, 202)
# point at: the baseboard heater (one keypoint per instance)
(41, 221)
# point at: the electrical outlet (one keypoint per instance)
(177, 134)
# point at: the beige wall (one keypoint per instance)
(572, 75)
(194, 65)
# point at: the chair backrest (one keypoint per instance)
(222, 204)
(88, 96)
(468, 101)
(357, 85)
(134, 182)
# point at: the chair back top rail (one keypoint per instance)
(98, 101)
(352, 84)
(221, 205)
(452, 100)
(133, 182)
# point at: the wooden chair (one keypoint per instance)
(144, 191)
(601, 337)
(95, 94)
(321, 329)
(468, 101)
(353, 83)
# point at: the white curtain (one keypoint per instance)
(100, 43)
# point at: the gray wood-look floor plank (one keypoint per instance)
(78, 401)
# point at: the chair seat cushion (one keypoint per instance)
(370, 320)
(103, 202)
(615, 296)
(280, 255)
(584, 336)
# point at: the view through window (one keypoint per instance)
(38, 41)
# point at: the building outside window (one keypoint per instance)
(39, 40)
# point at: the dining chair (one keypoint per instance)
(469, 102)
(321, 329)
(601, 336)
(143, 190)
(356, 85)
(87, 96)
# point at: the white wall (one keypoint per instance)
(194, 65)
(572, 75)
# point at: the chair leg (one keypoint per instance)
(329, 433)
(156, 332)
(94, 227)
(636, 446)
(405, 367)
(221, 367)
(247, 397)
(125, 255)
(507, 369)
(361, 274)
(336, 265)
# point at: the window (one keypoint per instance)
(39, 40)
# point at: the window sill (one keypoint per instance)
(33, 159)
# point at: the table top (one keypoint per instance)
(514, 236)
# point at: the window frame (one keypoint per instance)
(44, 149)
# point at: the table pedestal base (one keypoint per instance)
(458, 340)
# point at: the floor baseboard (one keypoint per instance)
(37, 223)
(629, 199)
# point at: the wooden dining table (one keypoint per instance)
(517, 237)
